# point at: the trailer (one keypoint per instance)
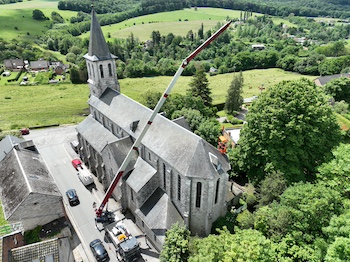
(127, 246)
(85, 177)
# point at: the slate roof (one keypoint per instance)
(6, 145)
(180, 148)
(95, 133)
(23, 172)
(41, 64)
(119, 150)
(141, 174)
(98, 49)
(322, 80)
(14, 63)
(158, 213)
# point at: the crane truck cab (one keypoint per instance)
(127, 247)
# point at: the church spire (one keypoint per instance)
(97, 45)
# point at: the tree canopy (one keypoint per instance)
(339, 88)
(291, 128)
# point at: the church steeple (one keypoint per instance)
(97, 44)
(99, 61)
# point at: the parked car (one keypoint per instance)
(24, 131)
(77, 164)
(73, 198)
(99, 251)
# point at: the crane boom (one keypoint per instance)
(160, 103)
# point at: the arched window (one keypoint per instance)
(164, 176)
(110, 69)
(198, 194)
(179, 187)
(101, 71)
(217, 191)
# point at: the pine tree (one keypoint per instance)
(199, 87)
(234, 98)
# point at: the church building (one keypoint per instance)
(176, 176)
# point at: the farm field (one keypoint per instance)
(177, 22)
(16, 20)
(26, 106)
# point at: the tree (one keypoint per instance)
(335, 173)
(339, 88)
(234, 99)
(271, 188)
(199, 87)
(245, 245)
(291, 128)
(38, 15)
(209, 130)
(175, 248)
(339, 250)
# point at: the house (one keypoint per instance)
(9, 241)
(176, 175)
(27, 190)
(14, 64)
(232, 135)
(322, 80)
(58, 67)
(55, 250)
(40, 65)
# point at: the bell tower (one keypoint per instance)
(99, 61)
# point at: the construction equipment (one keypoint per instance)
(127, 246)
(222, 144)
(104, 215)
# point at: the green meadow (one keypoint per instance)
(16, 20)
(177, 22)
(28, 106)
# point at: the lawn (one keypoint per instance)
(27, 106)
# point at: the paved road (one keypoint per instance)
(53, 145)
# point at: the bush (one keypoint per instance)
(32, 236)
(233, 120)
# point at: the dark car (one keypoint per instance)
(72, 197)
(99, 251)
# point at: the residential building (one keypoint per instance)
(27, 189)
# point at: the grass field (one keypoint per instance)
(16, 20)
(26, 106)
(177, 22)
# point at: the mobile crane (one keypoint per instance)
(106, 216)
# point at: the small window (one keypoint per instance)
(217, 191)
(149, 156)
(179, 188)
(143, 224)
(110, 69)
(164, 176)
(198, 194)
(132, 195)
(101, 71)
